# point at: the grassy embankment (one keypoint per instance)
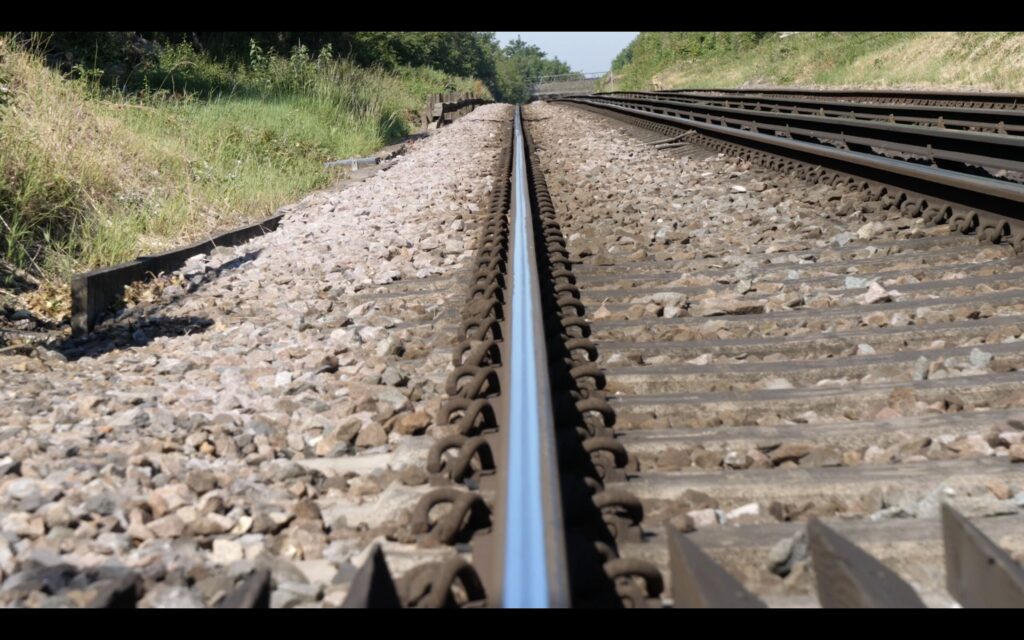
(93, 176)
(676, 60)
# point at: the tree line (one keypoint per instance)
(504, 70)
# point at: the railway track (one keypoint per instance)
(825, 410)
(979, 100)
(531, 430)
(1006, 119)
(707, 351)
(675, 375)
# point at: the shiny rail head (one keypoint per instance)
(534, 572)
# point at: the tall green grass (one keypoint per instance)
(653, 51)
(95, 171)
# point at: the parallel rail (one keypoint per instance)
(1009, 121)
(959, 147)
(986, 100)
(951, 192)
(529, 518)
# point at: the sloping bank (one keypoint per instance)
(91, 177)
(990, 61)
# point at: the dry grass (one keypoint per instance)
(949, 60)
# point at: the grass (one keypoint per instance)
(990, 61)
(94, 173)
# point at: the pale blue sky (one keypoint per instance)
(583, 50)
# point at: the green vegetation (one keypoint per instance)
(128, 59)
(664, 60)
(116, 144)
(651, 52)
(520, 63)
(93, 174)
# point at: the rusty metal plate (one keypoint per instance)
(699, 582)
(849, 578)
(978, 573)
(373, 588)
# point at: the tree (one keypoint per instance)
(519, 63)
(505, 71)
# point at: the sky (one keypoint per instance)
(585, 51)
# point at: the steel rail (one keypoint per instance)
(987, 186)
(967, 147)
(1009, 121)
(1009, 101)
(530, 527)
(999, 197)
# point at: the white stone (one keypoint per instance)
(338, 466)
(853, 282)
(7, 562)
(749, 509)
(776, 383)
(703, 518)
(377, 510)
(1011, 437)
(877, 293)
(980, 358)
(870, 230)
(865, 350)
(319, 571)
(226, 551)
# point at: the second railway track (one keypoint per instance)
(778, 352)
